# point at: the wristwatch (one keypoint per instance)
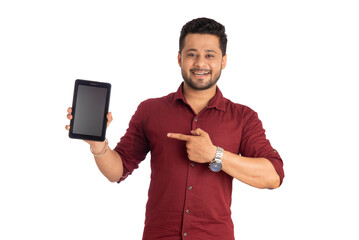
(216, 164)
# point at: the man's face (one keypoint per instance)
(201, 60)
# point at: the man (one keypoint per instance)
(199, 141)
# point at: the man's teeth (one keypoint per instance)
(201, 73)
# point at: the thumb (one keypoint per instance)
(198, 132)
(109, 118)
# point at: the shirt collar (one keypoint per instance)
(218, 101)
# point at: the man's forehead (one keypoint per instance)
(201, 42)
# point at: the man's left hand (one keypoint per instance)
(199, 145)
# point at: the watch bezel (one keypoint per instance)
(216, 165)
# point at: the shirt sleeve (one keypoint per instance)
(133, 146)
(255, 144)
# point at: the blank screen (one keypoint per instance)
(90, 110)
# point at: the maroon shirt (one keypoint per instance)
(186, 200)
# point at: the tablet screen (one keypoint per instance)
(90, 107)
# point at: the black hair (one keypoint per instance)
(204, 26)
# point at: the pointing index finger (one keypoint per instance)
(179, 136)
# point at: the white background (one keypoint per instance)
(294, 62)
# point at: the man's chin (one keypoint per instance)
(199, 85)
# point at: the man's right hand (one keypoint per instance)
(96, 146)
(110, 162)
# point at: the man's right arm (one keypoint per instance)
(110, 162)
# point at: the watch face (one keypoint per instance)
(215, 166)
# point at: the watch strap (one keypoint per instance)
(219, 153)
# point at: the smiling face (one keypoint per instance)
(201, 60)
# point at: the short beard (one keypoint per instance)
(195, 86)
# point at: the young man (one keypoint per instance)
(199, 141)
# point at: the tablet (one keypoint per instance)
(89, 110)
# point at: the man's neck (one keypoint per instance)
(198, 99)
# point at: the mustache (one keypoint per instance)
(200, 70)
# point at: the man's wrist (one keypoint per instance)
(216, 164)
(213, 154)
(98, 147)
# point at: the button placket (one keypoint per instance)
(186, 224)
(195, 122)
(187, 221)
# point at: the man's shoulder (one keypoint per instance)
(237, 107)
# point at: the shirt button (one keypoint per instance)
(190, 188)
(187, 211)
(185, 234)
(275, 151)
(196, 119)
(192, 164)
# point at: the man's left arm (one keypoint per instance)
(257, 172)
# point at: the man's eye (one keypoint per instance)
(191, 55)
(210, 56)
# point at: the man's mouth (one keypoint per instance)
(200, 72)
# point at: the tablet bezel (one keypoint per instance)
(79, 82)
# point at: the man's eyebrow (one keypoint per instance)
(191, 50)
(195, 50)
(209, 50)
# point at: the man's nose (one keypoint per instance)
(200, 62)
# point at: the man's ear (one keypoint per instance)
(224, 61)
(179, 59)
